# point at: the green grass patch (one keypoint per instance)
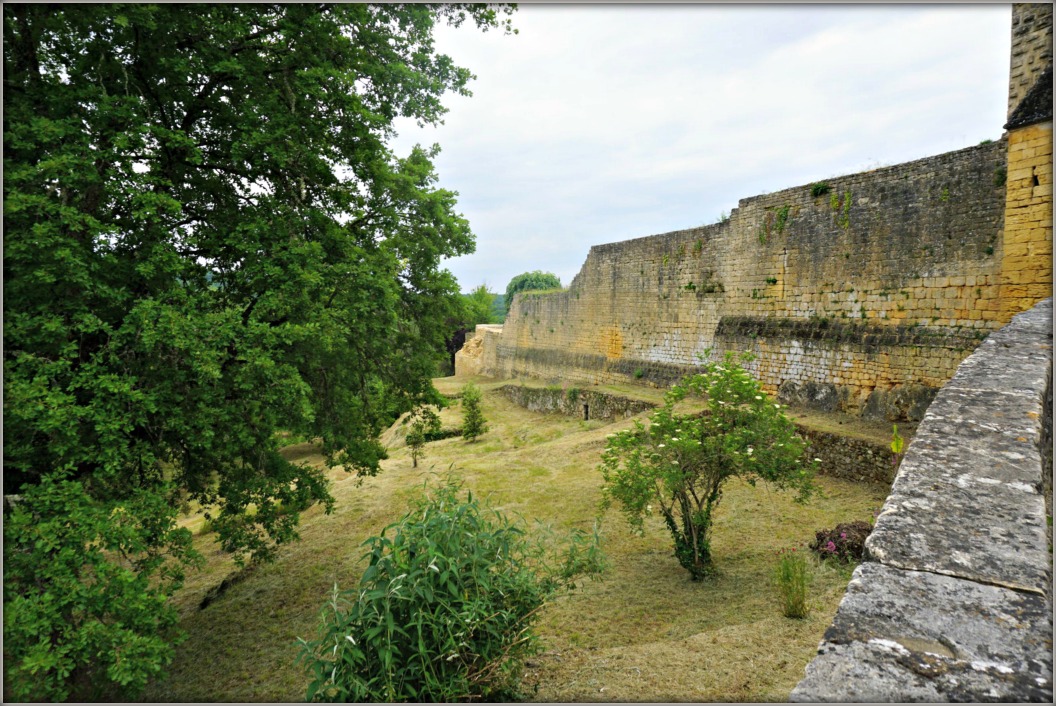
(645, 632)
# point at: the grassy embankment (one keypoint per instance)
(644, 632)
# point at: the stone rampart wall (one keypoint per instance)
(574, 402)
(871, 282)
(954, 600)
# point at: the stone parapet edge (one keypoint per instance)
(954, 600)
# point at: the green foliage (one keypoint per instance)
(473, 422)
(424, 424)
(897, 443)
(845, 211)
(498, 308)
(1000, 176)
(681, 461)
(206, 240)
(526, 281)
(819, 189)
(792, 575)
(85, 589)
(480, 307)
(445, 610)
(783, 215)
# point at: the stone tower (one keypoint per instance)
(1026, 260)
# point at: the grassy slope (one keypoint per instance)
(644, 632)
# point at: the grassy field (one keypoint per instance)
(644, 632)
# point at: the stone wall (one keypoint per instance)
(1027, 254)
(870, 282)
(849, 457)
(1031, 48)
(954, 600)
(575, 402)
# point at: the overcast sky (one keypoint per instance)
(597, 124)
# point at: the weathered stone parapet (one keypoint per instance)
(954, 600)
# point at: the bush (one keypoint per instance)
(844, 543)
(86, 584)
(424, 423)
(792, 577)
(681, 461)
(444, 611)
(819, 189)
(473, 422)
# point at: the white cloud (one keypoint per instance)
(598, 124)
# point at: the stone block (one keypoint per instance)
(940, 517)
(909, 636)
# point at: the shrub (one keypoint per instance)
(86, 584)
(473, 422)
(792, 576)
(844, 543)
(897, 444)
(424, 423)
(819, 189)
(681, 461)
(445, 610)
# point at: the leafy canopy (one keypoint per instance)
(525, 281)
(206, 240)
(681, 461)
(480, 307)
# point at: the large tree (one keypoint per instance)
(206, 240)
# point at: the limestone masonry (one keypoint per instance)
(884, 281)
(861, 293)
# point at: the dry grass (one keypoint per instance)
(644, 632)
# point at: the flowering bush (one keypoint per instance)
(844, 543)
(681, 461)
(792, 577)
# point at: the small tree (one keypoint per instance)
(473, 422)
(478, 307)
(681, 461)
(425, 423)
